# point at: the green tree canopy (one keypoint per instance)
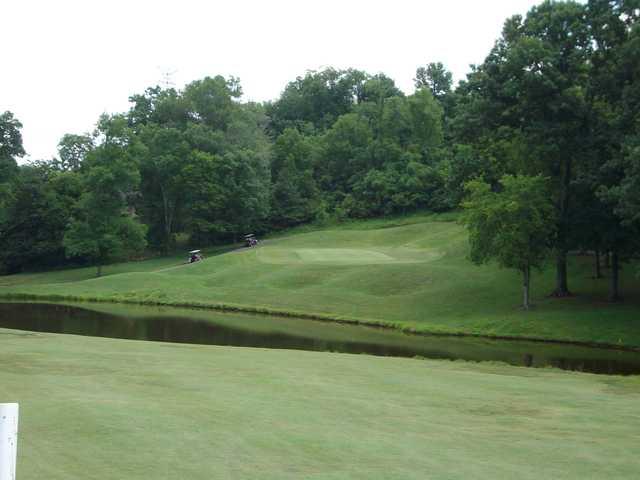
(436, 78)
(515, 227)
(314, 101)
(533, 86)
(103, 229)
(36, 217)
(10, 137)
(294, 194)
(72, 150)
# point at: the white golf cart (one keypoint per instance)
(250, 240)
(195, 256)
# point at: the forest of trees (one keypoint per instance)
(554, 108)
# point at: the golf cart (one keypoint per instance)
(195, 256)
(250, 240)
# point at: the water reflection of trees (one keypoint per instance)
(83, 321)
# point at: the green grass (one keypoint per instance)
(87, 273)
(95, 408)
(407, 272)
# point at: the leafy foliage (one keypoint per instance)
(37, 216)
(436, 78)
(294, 193)
(102, 229)
(514, 226)
(72, 151)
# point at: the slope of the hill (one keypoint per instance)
(413, 275)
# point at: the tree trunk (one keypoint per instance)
(607, 260)
(168, 220)
(526, 277)
(99, 271)
(614, 293)
(597, 264)
(562, 287)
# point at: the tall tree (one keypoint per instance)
(10, 142)
(294, 196)
(533, 83)
(10, 149)
(103, 228)
(36, 217)
(614, 100)
(627, 194)
(162, 165)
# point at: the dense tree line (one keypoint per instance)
(551, 115)
(558, 96)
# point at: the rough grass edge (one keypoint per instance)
(387, 325)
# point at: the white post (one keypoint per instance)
(8, 440)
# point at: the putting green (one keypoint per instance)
(343, 256)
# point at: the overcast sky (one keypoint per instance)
(65, 62)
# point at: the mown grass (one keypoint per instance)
(95, 408)
(86, 273)
(411, 273)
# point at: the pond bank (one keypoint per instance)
(232, 308)
(211, 327)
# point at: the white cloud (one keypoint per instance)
(65, 62)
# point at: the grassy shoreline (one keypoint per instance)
(317, 317)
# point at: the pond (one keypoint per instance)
(166, 324)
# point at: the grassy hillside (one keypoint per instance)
(95, 408)
(411, 273)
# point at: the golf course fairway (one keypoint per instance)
(411, 273)
(96, 408)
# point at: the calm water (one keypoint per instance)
(213, 328)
